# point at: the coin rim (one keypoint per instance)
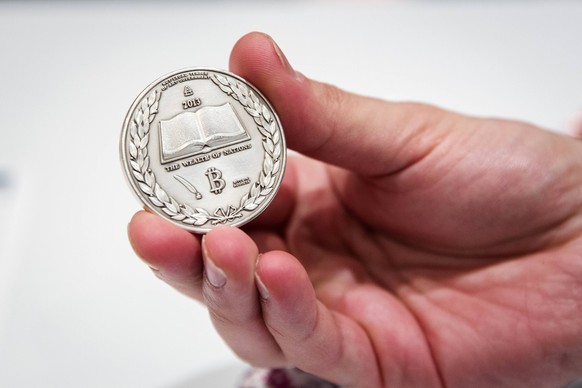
(138, 193)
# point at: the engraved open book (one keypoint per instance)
(192, 133)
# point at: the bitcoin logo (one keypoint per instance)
(217, 184)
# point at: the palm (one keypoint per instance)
(452, 301)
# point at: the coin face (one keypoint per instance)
(203, 148)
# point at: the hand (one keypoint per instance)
(417, 248)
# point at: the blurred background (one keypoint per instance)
(77, 308)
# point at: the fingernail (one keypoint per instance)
(263, 291)
(157, 273)
(214, 274)
(282, 58)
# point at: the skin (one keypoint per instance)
(411, 247)
(574, 124)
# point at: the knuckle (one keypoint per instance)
(303, 329)
(221, 317)
(216, 307)
(334, 101)
(228, 313)
(310, 328)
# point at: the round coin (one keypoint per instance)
(202, 148)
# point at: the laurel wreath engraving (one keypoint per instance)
(139, 130)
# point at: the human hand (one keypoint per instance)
(417, 247)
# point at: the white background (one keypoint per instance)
(77, 308)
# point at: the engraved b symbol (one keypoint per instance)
(215, 179)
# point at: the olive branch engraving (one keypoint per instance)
(139, 130)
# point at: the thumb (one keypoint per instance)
(365, 135)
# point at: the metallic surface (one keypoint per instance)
(202, 148)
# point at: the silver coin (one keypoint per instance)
(202, 148)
